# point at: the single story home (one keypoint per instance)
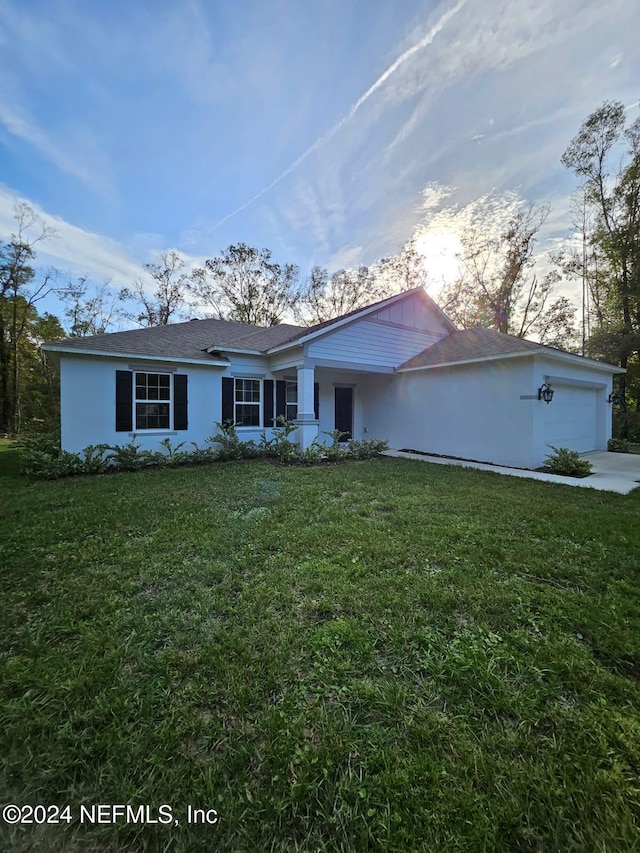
(397, 370)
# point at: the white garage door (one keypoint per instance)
(570, 418)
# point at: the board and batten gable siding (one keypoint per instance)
(412, 313)
(373, 342)
(385, 338)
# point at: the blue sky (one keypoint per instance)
(330, 132)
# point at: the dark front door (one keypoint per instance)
(344, 412)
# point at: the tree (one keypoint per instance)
(20, 290)
(500, 289)
(325, 297)
(245, 285)
(168, 298)
(405, 270)
(605, 155)
(88, 312)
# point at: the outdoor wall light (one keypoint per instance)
(615, 399)
(545, 392)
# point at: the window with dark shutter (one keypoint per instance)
(267, 402)
(227, 399)
(180, 414)
(316, 400)
(281, 398)
(124, 401)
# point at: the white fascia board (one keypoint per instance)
(136, 356)
(587, 363)
(580, 361)
(235, 350)
(338, 323)
(465, 361)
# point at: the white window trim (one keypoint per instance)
(152, 430)
(259, 404)
(288, 384)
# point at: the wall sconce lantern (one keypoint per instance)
(616, 399)
(545, 392)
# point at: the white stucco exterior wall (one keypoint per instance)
(472, 411)
(88, 394)
(564, 376)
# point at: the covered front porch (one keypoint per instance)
(320, 399)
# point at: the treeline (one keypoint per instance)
(500, 285)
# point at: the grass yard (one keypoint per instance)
(376, 656)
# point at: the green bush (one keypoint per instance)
(129, 457)
(280, 446)
(618, 445)
(202, 455)
(231, 446)
(366, 449)
(565, 461)
(334, 452)
(41, 456)
(95, 459)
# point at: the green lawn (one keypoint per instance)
(376, 656)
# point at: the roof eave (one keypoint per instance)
(235, 350)
(403, 369)
(57, 350)
(559, 356)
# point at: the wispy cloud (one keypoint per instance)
(19, 125)
(75, 250)
(326, 137)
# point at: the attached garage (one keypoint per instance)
(571, 419)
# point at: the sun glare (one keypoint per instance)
(440, 250)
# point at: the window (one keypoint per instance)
(247, 402)
(153, 401)
(291, 401)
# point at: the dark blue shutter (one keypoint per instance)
(124, 401)
(180, 418)
(281, 398)
(227, 400)
(316, 400)
(267, 419)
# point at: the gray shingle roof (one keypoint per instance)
(185, 340)
(470, 344)
(192, 339)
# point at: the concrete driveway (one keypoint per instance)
(612, 472)
(619, 472)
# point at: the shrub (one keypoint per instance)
(174, 455)
(129, 457)
(618, 445)
(280, 446)
(95, 461)
(565, 461)
(367, 448)
(312, 455)
(334, 452)
(231, 447)
(202, 455)
(41, 456)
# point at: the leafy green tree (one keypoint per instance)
(500, 288)
(161, 296)
(244, 284)
(605, 156)
(20, 290)
(325, 296)
(88, 311)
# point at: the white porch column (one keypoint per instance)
(306, 420)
